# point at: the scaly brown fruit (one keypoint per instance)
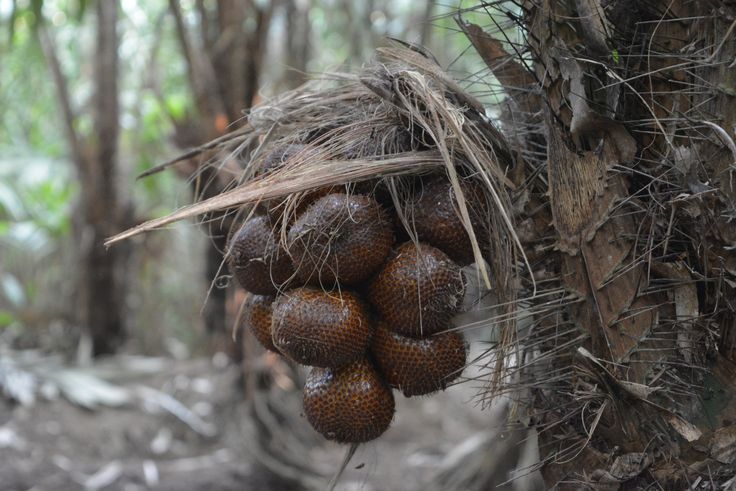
(418, 366)
(341, 239)
(278, 156)
(349, 404)
(321, 329)
(256, 258)
(257, 317)
(434, 215)
(418, 290)
(276, 159)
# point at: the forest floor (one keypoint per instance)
(178, 433)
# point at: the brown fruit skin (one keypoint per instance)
(392, 140)
(434, 215)
(340, 238)
(418, 366)
(276, 159)
(279, 155)
(350, 404)
(276, 208)
(257, 317)
(418, 290)
(256, 259)
(320, 329)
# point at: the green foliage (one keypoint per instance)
(35, 202)
(177, 106)
(6, 319)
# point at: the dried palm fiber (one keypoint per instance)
(623, 114)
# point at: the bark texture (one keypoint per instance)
(629, 221)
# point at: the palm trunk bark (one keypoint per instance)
(640, 274)
(633, 101)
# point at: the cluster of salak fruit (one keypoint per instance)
(349, 294)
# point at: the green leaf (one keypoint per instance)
(81, 9)
(37, 12)
(11, 21)
(176, 106)
(616, 56)
(6, 318)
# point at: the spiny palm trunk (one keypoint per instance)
(632, 203)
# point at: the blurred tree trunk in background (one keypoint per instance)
(299, 31)
(359, 28)
(101, 211)
(425, 24)
(224, 55)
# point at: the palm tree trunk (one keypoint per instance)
(632, 380)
